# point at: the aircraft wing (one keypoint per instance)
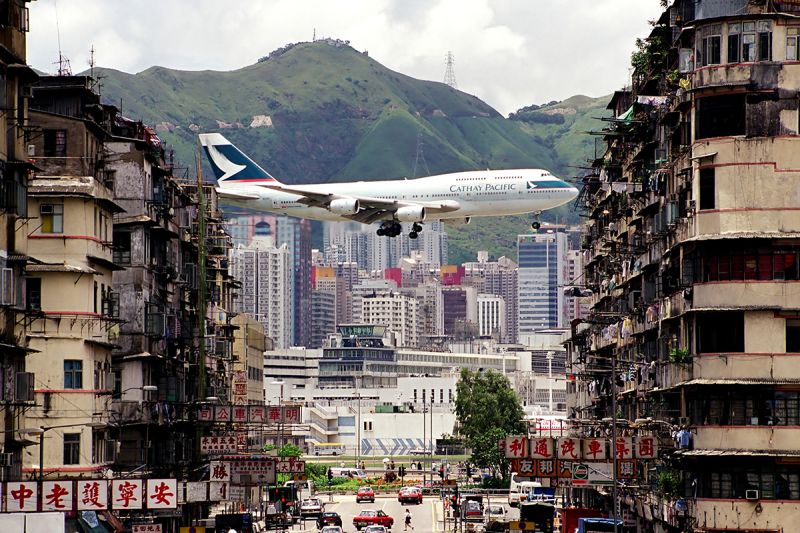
(224, 192)
(372, 208)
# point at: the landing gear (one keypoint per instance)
(416, 228)
(413, 235)
(536, 224)
(390, 229)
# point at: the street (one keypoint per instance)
(427, 517)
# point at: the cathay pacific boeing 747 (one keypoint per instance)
(452, 197)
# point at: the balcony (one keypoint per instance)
(740, 74)
(769, 367)
(725, 514)
(747, 295)
(751, 437)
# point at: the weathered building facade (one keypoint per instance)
(692, 251)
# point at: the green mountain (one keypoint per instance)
(324, 112)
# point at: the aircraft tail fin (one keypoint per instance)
(230, 165)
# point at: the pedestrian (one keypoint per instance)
(408, 521)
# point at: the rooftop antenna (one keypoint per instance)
(64, 69)
(420, 155)
(450, 71)
(314, 36)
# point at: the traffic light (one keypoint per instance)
(330, 475)
(469, 471)
(441, 472)
(401, 471)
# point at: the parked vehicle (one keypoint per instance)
(326, 448)
(332, 529)
(541, 514)
(306, 486)
(311, 507)
(365, 494)
(371, 517)
(471, 510)
(376, 529)
(518, 490)
(419, 451)
(600, 525)
(410, 495)
(329, 519)
(494, 512)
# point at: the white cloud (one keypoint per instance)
(509, 53)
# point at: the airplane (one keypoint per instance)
(453, 198)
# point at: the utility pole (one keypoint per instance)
(615, 513)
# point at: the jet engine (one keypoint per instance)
(411, 213)
(344, 206)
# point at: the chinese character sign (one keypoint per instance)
(646, 447)
(542, 448)
(594, 449)
(626, 469)
(240, 413)
(162, 494)
(516, 447)
(568, 448)
(273, 414)
(21, 496)
(57, 496)
(220, 471)
(222, 413)
(258, 413)
(126, 493)
(624, 448)
(92, 495)
(205, 414)
(146, 528)
(291, 414)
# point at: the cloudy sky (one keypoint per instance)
(509, 53)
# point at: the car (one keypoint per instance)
(365, 494)
(494, 512)
(410, 495)
(329, 519)
(376, 529)
(372, 517)
(311, 507)
(332, 529)
(472, 510)
(418, 451)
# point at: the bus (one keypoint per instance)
(326, 448)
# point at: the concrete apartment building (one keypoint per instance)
(498, 278)
(691, 251)
(18, 384)
(69, 294)
(398, 312)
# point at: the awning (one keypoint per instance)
(742, 381)
(738, 453)
(627, 115)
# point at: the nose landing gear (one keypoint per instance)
(537, 223)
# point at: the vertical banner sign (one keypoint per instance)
(239, 382)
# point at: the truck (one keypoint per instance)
(571, 515)
(600, 525)
(540, 513)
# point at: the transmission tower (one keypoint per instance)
(450, 71)
(420, 157)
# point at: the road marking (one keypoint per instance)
(433, 514)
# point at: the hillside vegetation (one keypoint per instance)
(324, 112)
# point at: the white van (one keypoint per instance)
(519, 490)
(306, 487)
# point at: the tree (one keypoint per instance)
(487, 410)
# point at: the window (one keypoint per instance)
(72, 448)
(73, 374)
(720, 116)
(720, 332)
(748, 41)
(122, 247)
(33, 294)
(711, 46)
(791, 43)
(764, 40)
(55, 143)
(707, 188)
(734, 42)
(792, 335)
(52, 218)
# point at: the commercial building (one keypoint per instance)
(691, 251)
(542, 273)
(498, 278)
